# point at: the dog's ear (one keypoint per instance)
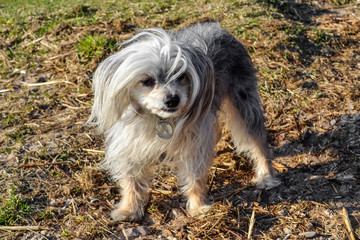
(202, 80)
(110, 93)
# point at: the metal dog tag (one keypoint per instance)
(164, 129)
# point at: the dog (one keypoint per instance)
(159, 99)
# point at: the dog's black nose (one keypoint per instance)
(172, 101)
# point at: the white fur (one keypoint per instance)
(127, 109)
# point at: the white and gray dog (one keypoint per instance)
(158, 100)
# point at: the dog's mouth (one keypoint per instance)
(169, 110)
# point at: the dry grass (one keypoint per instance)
(307, 54)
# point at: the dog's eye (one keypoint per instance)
(182, 77)
(148, 82)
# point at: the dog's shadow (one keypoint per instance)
(318, 177)
(321, 168)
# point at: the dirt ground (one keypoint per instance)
(308, 60)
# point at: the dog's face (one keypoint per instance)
(154, 74)
(163, 98)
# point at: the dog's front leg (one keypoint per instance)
(195, 189)
(193, 168)
(134, 197)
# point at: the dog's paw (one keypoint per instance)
(125, 215)
(266, 182)
(199, 212)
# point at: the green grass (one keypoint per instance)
(19, 134)
(320, 37)
(13, 209)
(92, 46)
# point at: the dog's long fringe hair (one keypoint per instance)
(117, 75)
(123, 127)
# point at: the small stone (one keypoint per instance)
(135, 232)
(310, 234)
(333, 122)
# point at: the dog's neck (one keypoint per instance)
(164, 127)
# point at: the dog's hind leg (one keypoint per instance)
(248, 133)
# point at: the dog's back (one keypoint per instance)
(234, 72)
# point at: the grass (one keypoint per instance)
(94, 46)
(13, 210)
(49, 50)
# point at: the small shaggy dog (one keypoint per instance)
(158, 100)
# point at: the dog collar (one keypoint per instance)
(164, 129)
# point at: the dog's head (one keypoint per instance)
(154, 74)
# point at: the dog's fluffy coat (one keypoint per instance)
(186, 78)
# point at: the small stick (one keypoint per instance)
(64, 173)
(87, 135)
(252, 219)
(233, 233)
(215, 223)
(22, 228)
(93, 150)
(237, 191)
(35, 41)
(59, 56)
(4, 90)
(186, 213)
(45, 83)
(212, 181)
(348, 224)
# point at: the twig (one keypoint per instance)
(221, 169)
(87, 135)
(74, 108)
(22, 228)
(348, 224)
(46, 83)
(215, 223)
(233, 233)
(35, 41)
(59, 56)
(212, 181)
(252, 219)
(93, 150)
(161, 191)
(186, 213)
(109, 204)
(236, 192)
(251, 224)
(64, 173)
